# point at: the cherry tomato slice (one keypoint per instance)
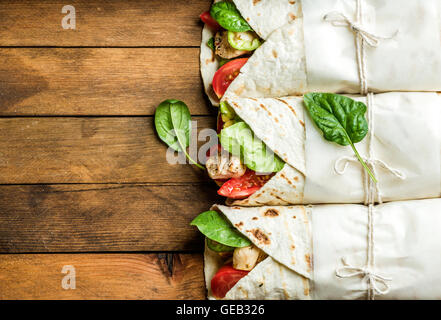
(243, 187)
(213, 150)
(209, 21)
(226, 74)
(225, 279)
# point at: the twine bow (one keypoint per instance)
(339, 19)
(342, 163)
(372, 278)
(362, 37)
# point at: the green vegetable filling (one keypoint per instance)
(229, 18)
(240, 141)
(217, 228)
(210, 43)
(218, 247)
(247, 41)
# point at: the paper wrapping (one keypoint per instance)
(406, 138)
(310, 54)
(407, 247)
(409, 61)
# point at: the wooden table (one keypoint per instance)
(83, 177)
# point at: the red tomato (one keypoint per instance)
(225, 279)
(226, 74)
(243, 187)
(213, 150)
(209, 21)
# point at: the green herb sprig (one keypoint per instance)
(173, 125)
(216, 227)
(227, 15)
(341, 119)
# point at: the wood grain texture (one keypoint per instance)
(98, 81)
(88, 218)
(103, 276)
(102, 23)
(97, 183)
(90, 150)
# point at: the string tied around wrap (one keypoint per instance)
(363, 37)
(373, 279)
(372, 189)
(339, 19)
(342, 164)
(368, 272)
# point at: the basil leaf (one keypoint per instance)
(218, 247)
(173, 125)
(341, 119)
(240, 141)
(227, 15)
(173, 122)
(214, 226)
(210, 43)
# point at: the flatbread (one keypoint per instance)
(276, 121)
(284, 233)
(209, 65)
(265, 16)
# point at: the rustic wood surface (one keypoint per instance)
(103, 217)
(89, 150)
(102, 276)
(103, 23)
(98, 81)
(83, 177)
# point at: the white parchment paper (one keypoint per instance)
(410, 61)
(407, 249)
(407, 137)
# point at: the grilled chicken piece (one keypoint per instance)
(223, 48)
(246, 258)
(223, 165)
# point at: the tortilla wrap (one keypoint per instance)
(406, 148)
(263, 16)
(406, 236)
(311, 54)
(275, 122)
(284, 234)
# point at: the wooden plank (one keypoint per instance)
(102, 23)
(98, 81)
(89, 150)
(88, 218)
(102, 276)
